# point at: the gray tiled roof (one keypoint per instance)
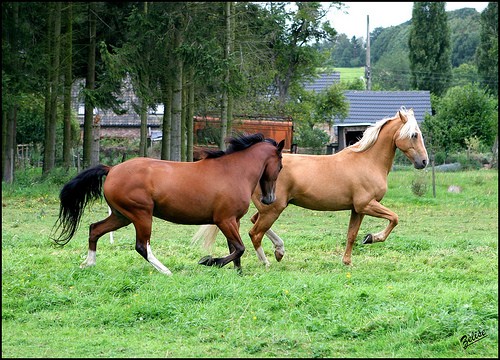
(324, 81)
(372, 106)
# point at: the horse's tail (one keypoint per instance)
(207, 232)
(75, 195)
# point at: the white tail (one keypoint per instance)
(207, 232)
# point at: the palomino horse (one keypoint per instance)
(216, 190)
(353, 179)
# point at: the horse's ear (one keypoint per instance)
(402, 116)
(281, 145)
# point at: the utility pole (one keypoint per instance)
(368, 69)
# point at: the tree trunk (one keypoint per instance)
(167, 121)
(68, 80)
(190, 115)
(88, 139)
(225, 86)
(9, 144)
(183, 116)
(96, 137)
(143, 142)
(49, 155)
(177, 104)
(9, 114)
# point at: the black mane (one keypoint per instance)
(238, 143)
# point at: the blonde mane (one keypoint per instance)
(371, 134)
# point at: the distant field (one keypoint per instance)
(350, 74)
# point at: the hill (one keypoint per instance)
(393, 42)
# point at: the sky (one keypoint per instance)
(381, 14)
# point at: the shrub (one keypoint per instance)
(419, 184)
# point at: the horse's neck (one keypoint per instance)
(253, 160)
(384, 149)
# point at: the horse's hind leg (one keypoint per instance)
(230, 229)
(98, 229)
(352, 232)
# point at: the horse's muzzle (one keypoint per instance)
(421, 164)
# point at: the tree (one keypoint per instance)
(68, 81)
(487, 52)
(49, 155)
(315, 109)
(225, 90)
(463, 112)
(293, 55)
(88, 136)
(10, 90)
(429, 44)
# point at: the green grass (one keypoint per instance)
(350, 74)
(434, 280)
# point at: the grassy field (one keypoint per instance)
(350, 74)
(432, 282)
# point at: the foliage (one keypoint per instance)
(429, 44)
(31, 122)
(419, 184)
(464, 40)
(316, 109)
(464, 74)
(487, 52)
(414, 296)
(392, 73)
(311, 138)
(347, 52)
(463, 112)
(293, 56)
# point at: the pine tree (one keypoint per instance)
(430, 51)
(487, 52)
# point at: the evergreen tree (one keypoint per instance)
(429, 43)
(487, 52)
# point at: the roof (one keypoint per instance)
(372, 106)
(324, 81)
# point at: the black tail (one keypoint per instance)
(82, 189)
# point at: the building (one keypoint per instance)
(368, 107)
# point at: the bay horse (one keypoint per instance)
(215, 190)
(353, 179)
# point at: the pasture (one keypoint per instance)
(351, 74)
(434, 281)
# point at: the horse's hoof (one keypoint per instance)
(278, 255)
(368, 239)
(206, 260)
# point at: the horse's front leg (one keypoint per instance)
(98, 229)
(352, 233)
(230, 229)
(374, 208)
(263, 220)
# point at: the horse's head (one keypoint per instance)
(271, 171)
(410, 141)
